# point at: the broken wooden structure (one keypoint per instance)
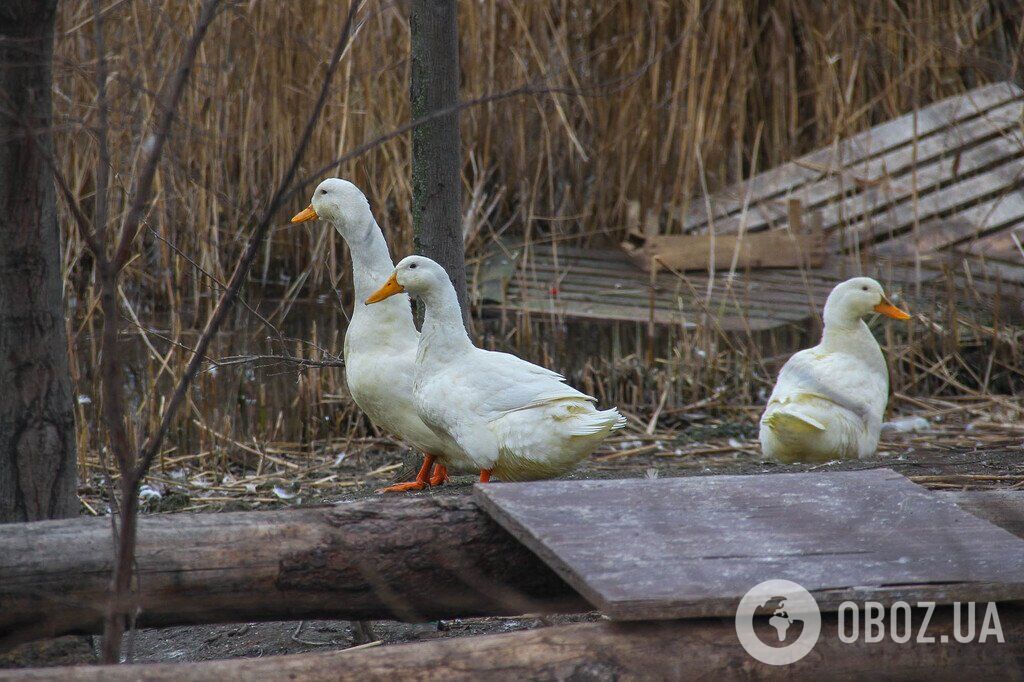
(429, 558)
(933, 194)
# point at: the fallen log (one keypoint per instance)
(422, 558)
(670, 650)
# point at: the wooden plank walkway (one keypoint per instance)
(942, 188)
(642, 549)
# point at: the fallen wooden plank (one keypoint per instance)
(614, 265)
(770, 249)
(798, 246)
(880, 139)
(673, 650)
(998, 213)
(677, 299)
(418, 558)
(1008, 177)
(1006, 245)
(952, 152)
(727, 316)
(754, 283)
(691, 547)
(991, 277)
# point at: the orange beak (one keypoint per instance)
(889, 310)
(305, 215)
(390, 288)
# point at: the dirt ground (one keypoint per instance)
(941, 456)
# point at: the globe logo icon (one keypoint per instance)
(794, 617)
(780, 620)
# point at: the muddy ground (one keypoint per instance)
(939, 457)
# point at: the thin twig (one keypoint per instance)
(226, 302)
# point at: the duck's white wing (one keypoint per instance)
(832, 376)
(508, 383)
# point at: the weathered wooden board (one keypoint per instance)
(1006, 246)
(692, 547)
(769, 249)
(931, 188)
(604, 284)
(878, 140)
(1004, 210)
(899, 218)
(912, 167)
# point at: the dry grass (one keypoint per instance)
(673, 96)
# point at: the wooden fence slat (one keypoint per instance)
(759, 314)
(891, 223)
(630, 292)
(1002, 246)
(879, 139)
(935, 235)
(937, 159)
(603, 311)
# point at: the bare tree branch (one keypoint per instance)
(224, 305)
(114, 405)
(152, 146)
(84, 226)
(102, 131)
(271, 359)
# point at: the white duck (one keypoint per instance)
(829, 400)
(381, 342)
(515, 420)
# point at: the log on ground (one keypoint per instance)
(681, 649)
(412, 559)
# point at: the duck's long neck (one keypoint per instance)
(371, 267)
(371, 261)
(846, 332)
(443, 335)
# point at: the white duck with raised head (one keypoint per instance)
(381, 340)
(513, 419)
(829, 400)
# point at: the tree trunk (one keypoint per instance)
(37, 426)
(666, 650)
(411, 559)
(436, 157)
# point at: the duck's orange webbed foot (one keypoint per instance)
(485, 475)
(403, 487)
(440, 475)
(419, 484)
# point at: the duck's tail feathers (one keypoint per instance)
(596, 422)
(792, 418)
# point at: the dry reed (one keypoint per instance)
(652, 101)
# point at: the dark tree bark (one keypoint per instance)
(37, 427)
(436, 157)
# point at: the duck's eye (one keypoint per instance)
(864, 288)
(412, 266)
(323, 191)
